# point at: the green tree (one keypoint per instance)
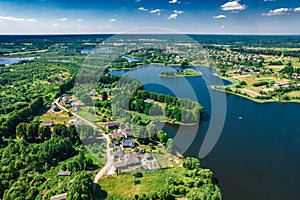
(44, 133)
(104, 96)
(81, 188)
(163, 137)
(21, 130)
(169, 145)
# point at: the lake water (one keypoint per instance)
(257, 157)
(9, 61)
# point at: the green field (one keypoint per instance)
(123, 185)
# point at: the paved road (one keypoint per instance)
(109, 155)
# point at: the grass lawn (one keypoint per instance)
(146, 118)
(166, 159)
(57, 117)
(294, 94)
(123, 185)
(88, 116)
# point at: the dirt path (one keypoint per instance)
(110, 159)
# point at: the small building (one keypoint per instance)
(92, 93)
(54, 107)
(128, 134)
(111, 125)
(127, 160)
(116, 135)
(107, 90)
(74, 122)
(47, 123)
(59, 197)
(149, 101)
(128, 144)
(65, 101)
(141, 151)
(64, 173)
(76, 105)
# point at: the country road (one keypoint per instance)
(110, 158)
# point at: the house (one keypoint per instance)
(128, 134)
(107, 90)
(128, 144)
(127, 160)
(116, 135)
(141, 151)
(119, 153)
(111, 125)
(54, 107)
(277, 85)
(64, 173)
(74, 122)
(92, 93)
(59, 197)
(76, 105)
(65, 100)
(149, 101)
(47, 123)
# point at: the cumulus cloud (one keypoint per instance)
(178, 11)
(297, 9)
(16, 19)
(62, 19)
(112, 20)
(55, 24)
(233, 6)
(143, 9)
(278, 11)
(80, 20)
(155, 11)
(219, 16)
(174, 1)
(173, 16)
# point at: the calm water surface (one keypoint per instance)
(9, 61)
(256, 158)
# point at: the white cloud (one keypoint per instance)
(55, 24)
(174, 1)
(297, 9)
(143, 9)
(156, 11)
(80, 20)
(32, 20)
(173, 16)
(222, 27)
(62, 19)
(178, 11)
(113, 20)
(16, 19)
(219, 16)
(233, 6)
(278, 11)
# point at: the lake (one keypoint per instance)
(9, 61)
(257, 157)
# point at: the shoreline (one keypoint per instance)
(214, 87)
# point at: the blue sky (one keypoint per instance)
(115, 16)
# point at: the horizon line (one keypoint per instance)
(237, 34)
